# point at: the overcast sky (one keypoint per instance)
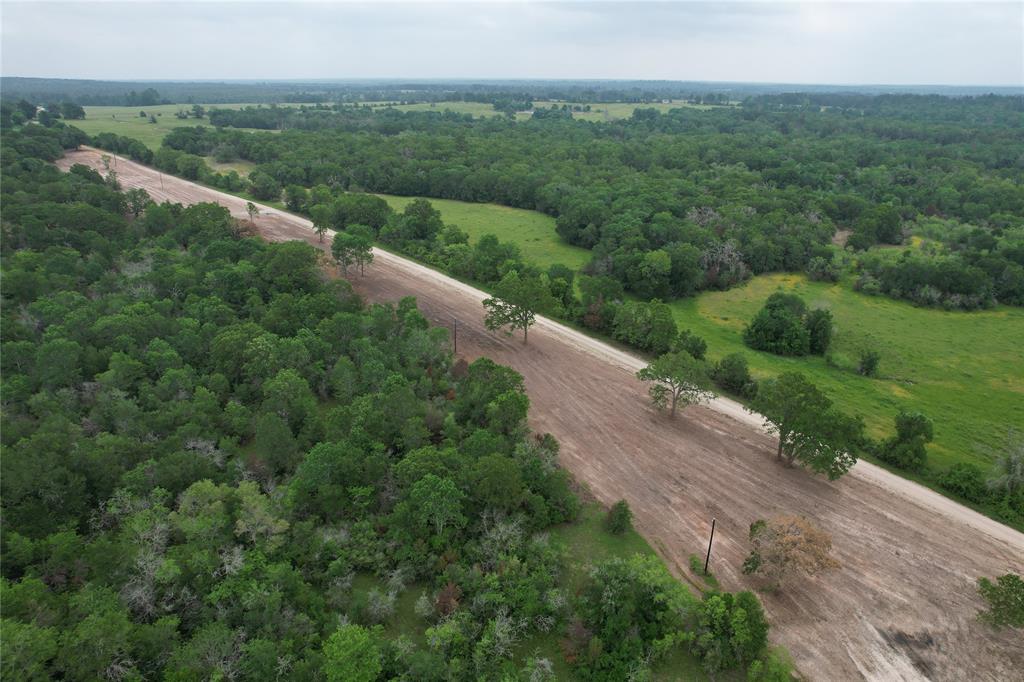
(788, 42)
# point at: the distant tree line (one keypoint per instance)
(674, 203)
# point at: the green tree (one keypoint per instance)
(679, 379)
(343, 249)
(620, 518)
(438, 502)
(321, 215)
(808, 428)
(730, 630)
(362, 245)
(819, 330)
(1005, 599)
(253, 210)
(517, 301)
(907, 448)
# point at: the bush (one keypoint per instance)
(906, 450)
(779, 326)
(966, 481)
(821, 269)
(868, 364)
(620, 518)
(1005, 599)
(819, 327)
(732, 374)
(692, 344)
(730, 630)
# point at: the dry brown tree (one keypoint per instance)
(785, 545)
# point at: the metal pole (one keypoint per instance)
(710, 540)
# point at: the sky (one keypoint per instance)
(928, 43)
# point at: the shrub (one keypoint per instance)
(733, 375)
(965, 480)
(620, 518)
(821, 269)
(1005, 599)
(868, 364)
(730, 630)
(906, 450)
(819, 327)
(692, 344)
(779, 326)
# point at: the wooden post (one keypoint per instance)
(710, 540)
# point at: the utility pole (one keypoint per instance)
(710, 540)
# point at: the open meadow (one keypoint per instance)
(963, 369)
(126, 121)
(532, 231)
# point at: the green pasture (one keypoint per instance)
(126, 121)
(476, 109)
(598, 112)
(532, 231)
(965, 370)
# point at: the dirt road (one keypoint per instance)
(901, 607)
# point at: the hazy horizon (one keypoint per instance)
(901, 44)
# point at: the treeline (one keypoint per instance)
(206, 443)
(674, 203)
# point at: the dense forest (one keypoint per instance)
(673, 203)
(207, 443)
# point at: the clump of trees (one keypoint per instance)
(810, 430)
(784, 326)
(906, 449)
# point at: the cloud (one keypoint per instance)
(782, 42)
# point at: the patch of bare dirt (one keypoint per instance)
(902, 607)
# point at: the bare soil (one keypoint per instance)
(903, 605)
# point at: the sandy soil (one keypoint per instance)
(901, 607)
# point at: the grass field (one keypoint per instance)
(532, 231)
(964, 370)
(126, 121)
(598, 112)
(585, 542)
(477, 109)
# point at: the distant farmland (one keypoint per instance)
(127, 121)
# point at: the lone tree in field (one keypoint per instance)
(788, 544)
(809, 428)
(1005, 599)
(253, 210)
(679, 380)
(517, 301)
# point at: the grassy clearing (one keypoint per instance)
(532, 231)
(241, 167)
(964, 370)
(598, 112)
(476, 109)
(618, 110)
(126, 121)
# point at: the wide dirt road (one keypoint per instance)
(901, 607)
